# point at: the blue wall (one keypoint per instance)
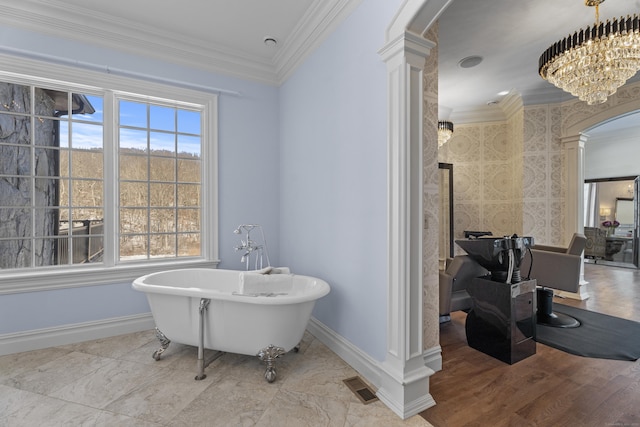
(47, 309)
(333, 144)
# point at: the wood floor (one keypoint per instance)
(551, 388)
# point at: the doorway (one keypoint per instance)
(611, 221)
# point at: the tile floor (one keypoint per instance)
(116, 382)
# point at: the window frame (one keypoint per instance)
(111, 270)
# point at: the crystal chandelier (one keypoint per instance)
(445, 130)
(593, 63)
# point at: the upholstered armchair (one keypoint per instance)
(596, 244)
(453, 285)
(555, 268)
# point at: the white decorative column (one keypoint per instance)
(573, 148)
(404, 385)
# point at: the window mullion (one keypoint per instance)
(32, 172)
(111, 202)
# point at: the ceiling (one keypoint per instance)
(510, 36)
(234, 26)
(228, 36)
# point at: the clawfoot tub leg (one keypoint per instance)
(269, 355)
(164, 343)
(204, 304)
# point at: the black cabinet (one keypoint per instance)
(503, 319)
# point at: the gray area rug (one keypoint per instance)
(599, 335)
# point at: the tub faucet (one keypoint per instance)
(249, 246)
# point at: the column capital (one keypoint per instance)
(577, 140)
(413, 47)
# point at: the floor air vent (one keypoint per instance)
(361, 390)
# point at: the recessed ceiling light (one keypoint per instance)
(503, 93)
(270, 41)
(470, 61)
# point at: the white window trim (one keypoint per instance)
(58, 277)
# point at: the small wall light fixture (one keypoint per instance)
(445, 130)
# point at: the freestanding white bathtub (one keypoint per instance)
(231, 311)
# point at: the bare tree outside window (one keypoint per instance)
(160, 175)
(52, 178)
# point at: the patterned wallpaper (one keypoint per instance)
(487, 182)
(543, 175)
(510, 177)
(431, 208)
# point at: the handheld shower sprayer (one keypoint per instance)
(246, 227)
(248, 246)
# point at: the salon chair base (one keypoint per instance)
(547, 317)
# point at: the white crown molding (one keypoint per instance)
(55, 18)
(317, 23)
(511, 104)
(482, 114)
(500, 112)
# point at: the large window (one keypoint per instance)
(94, 177)
(160, 180)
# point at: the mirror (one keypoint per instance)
(446, 213)
(608, 200)
(624, 211)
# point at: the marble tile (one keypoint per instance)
(17, 363)
(175, 353)
(377, 414)
(321, 372)
(13, 400)
(57, 373)
(53, 412)
(249, 368)
(108, 383)
(117, 382)
(162, 398)
(36, 410)
(113, 347)
(289, 408)
(229, 402)
(107, 419)
(24, 408)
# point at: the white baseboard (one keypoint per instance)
(433, 358)
(78, 332)
(356, 358)
(405, 399)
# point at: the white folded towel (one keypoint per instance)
(280, 270)
(255, 283)
(272, 270)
